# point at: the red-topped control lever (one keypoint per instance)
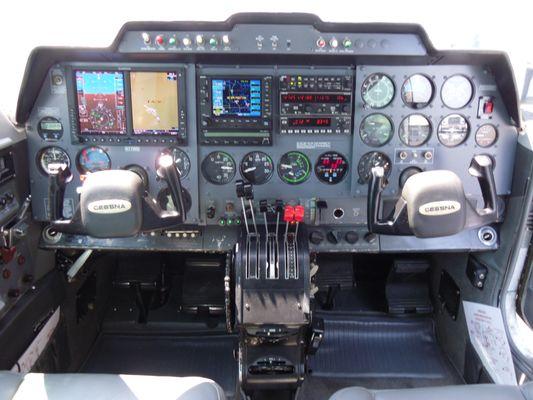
(299, 213)
(288, 214)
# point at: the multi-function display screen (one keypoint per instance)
(236, 97)
(154, 103)
(101, 102)
(314, 98)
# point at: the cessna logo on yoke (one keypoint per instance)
(436, 208)
(112, 206)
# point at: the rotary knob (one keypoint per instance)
(371, 238)
(316, 237)
(351, 237)
(332, 237)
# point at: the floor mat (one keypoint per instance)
(206, 356)
(379, 347)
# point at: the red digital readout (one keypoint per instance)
(310, 122)
(333, 164)
(314, 98)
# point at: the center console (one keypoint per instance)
(272, 295)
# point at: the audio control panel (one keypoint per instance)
(315, 104)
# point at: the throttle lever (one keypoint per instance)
(57, 182)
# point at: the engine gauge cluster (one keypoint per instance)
(331, 167)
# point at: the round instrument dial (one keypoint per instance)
(331, 167)
(218, 168)
(92, 159)
(294, 167)
(456, 92)
(376, 130)
(371, 160)
(486, 135)
(377, 90)
(415, 130)
(453, 130)
(181, 161)
(417, 91)
(51, 159)
(257, 167)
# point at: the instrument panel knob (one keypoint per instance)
(316, 237)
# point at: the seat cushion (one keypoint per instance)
(116, 387)
(464, 392)
(9, 383)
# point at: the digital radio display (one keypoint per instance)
(313, 122)
(101, 102)
(315, 98)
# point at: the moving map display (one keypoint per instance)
(101, 102)
(154, 103)
(236, 97)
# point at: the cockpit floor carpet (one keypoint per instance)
(378, 353)
(205, 356)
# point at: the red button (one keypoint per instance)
(160, 39)
(488, 107)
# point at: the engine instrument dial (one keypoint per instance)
(294, 168)
(371, 160)
(376, 130)
(51, 159)
(456, 92)
(92, 159)
(331, 167)
(257, 167)
(218, 168)
(453, 130)
(486, 135)
(377, 90)
(415, 130)
(417, 91)
(181, 161)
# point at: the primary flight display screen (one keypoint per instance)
(236, 98)
(154, 103)
(101, 102)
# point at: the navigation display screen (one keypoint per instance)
(236, 97)
(101, 102)
(154, 103)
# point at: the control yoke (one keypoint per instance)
(114, 203)
(433, 203)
